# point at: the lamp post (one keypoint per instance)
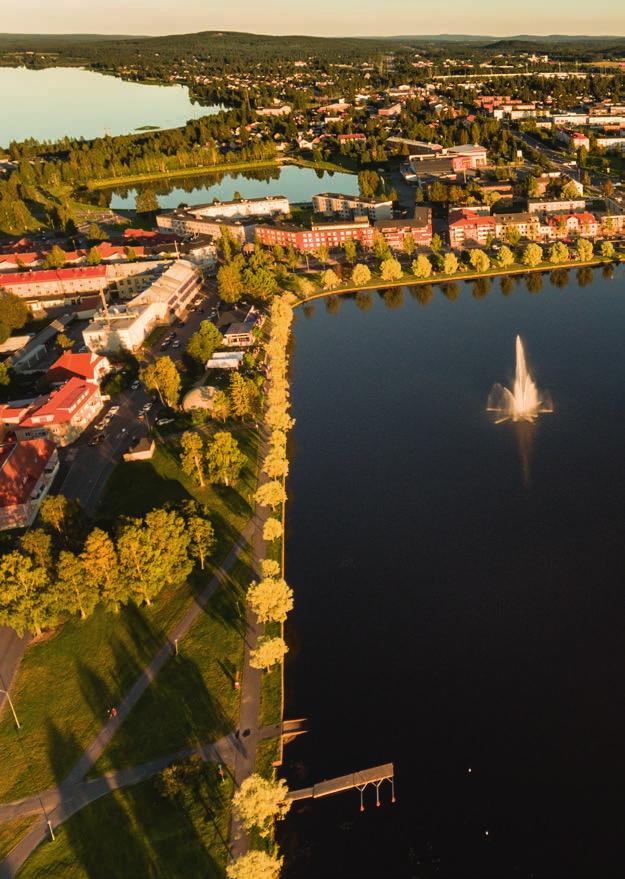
(10, 701)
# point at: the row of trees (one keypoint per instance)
(48, 577)
(476, 259)
(271, 598)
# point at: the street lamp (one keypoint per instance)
(10, 701)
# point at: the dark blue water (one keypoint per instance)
(460, 586)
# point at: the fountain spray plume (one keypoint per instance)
(524, 402)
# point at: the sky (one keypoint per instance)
(322, 17)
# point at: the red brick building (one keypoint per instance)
(395, 231)
(330, 235)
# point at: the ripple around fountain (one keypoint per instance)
(525, 402)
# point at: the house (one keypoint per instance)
(239, 335)
(27, 470)
(142, 449)
(60, 416)
(393, 110)
(467, 225)
(89, 367)
(575, 139)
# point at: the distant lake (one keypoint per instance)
(58, 101)
(297, 184)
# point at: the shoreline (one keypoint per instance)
(412, 281)
(130, 180)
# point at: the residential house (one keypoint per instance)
(27, 470)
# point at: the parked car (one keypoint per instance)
(135, 384)
(113, 410)
(176, 344)
(163, 421)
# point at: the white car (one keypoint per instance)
(113, 410)
(136, 383)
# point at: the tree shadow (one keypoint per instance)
(89, 839)
(136, 832)
(177, 710)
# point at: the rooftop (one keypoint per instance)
(21, 466)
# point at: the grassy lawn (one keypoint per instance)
(136, 833)
(11, 833)
(271, 687)
(193, 700)
(68, 681)
(135, 487)
(267, 753)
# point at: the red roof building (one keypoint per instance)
(27, 470)
(88, 366)
(467, 225)
(60, 416)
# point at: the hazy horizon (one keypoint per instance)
(353, 18)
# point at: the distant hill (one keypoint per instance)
(59, 39)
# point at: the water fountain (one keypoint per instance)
(524, 402)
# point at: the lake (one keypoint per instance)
(58, 101)
(297, 184)
(459, 584)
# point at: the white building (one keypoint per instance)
(125, 327)
(347, 207)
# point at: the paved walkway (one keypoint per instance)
(63, 796)
(12, 649)
(251, 678)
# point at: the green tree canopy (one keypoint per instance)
(224, 459)
(204, 341)
(162, 376)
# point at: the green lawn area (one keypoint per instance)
(70, 679)
(12, 832)
(267, 753)
(68, 682)
(271, 687)
(193, 701)
(135, 487)
(136, 833)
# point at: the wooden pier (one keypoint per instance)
(358, 780)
